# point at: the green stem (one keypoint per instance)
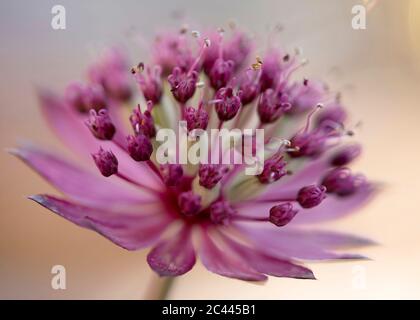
(160, 288)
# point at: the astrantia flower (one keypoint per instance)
(244, 227)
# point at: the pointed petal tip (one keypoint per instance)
(35, 197)
(17, 152)
(38, 198)
(308, 275)
(351, 256)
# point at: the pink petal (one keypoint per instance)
(70, 128)
(129, 231)
(290, 243)
(268, 264)
(81, 185)
(226, 263)
(174, 256)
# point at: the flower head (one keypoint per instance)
(139, 147)
(221, 73)
(172, 174)
(227, 103)
(311, 196)
(150, 83)
(189, 203)
(221, 212)
(106, 162)
(100, 124)
(272, 105)
(247, 226)
(182, 84)
(282, 214)
(142, 122)
(196, 118)
(211, 174)
(342, 182)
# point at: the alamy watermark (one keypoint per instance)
(58, 281)
(58, 21)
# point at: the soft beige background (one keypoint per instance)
(377, 70)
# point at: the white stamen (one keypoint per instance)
(200, 84)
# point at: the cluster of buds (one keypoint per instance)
(216, 66)
(208, 81)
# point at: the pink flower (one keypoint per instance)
(244, 233)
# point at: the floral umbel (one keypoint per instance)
(240, 226)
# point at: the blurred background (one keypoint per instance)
(376, 69)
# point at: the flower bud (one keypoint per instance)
(189, 203)
(311, 196)
(100, 124)
(150, 83)
(143, 123)
(346, 155)
(182, 84)
(221, 73)
(221, 212)
(227, 104)
(172, 174)
(106, 162)
(341, 181)
(273, 170)
(282, 214)
(272, 106)
(139, 147)
(211, 174)
(196, 118)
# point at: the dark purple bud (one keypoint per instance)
(282, 214)
(273, 170)
(346, 155)
(227, 104)
(189, 203)
(172, 174)
(139, 147)
(341, 181)
(182, 84)
(143, 123)
(150, 83)
(196, 118)
(221, 73)
(211, 174)
(221, 212)
(272, 106)
(106, 162)
(311, 196)
(100, 124)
